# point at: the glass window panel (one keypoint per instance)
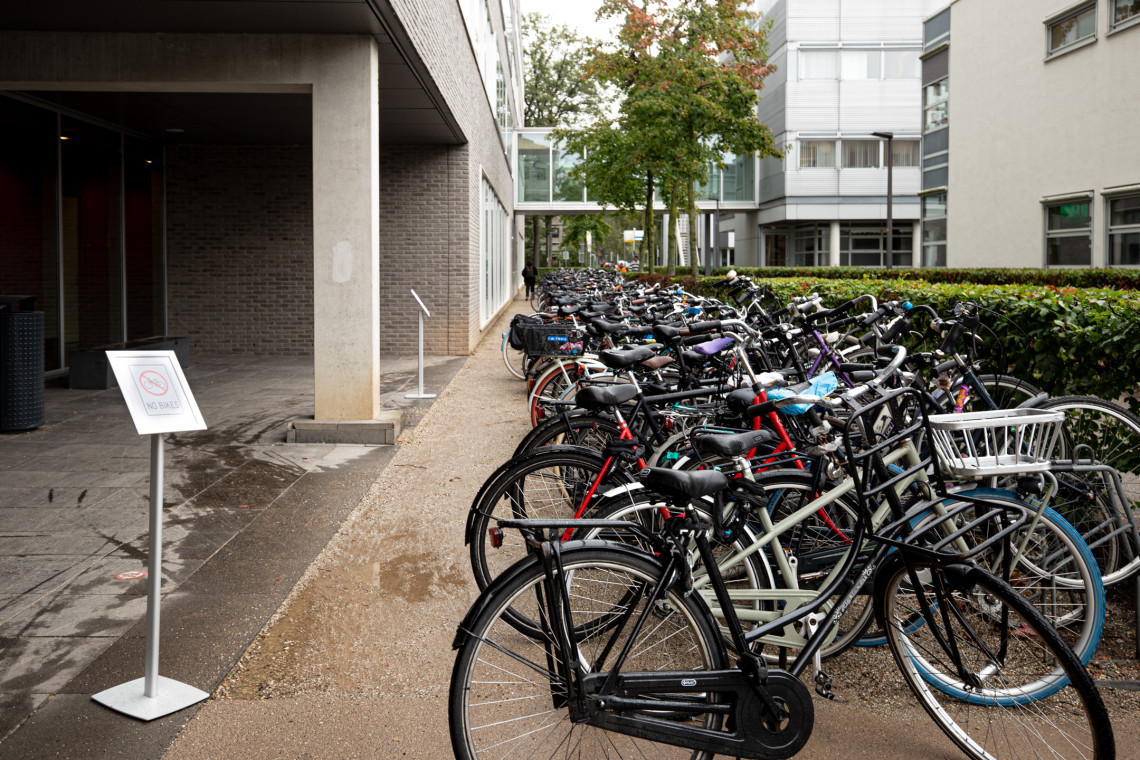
(934, 205)
(901, 64)
(904, 152)
(817, 153)
(819, 64)
(534, 160)
(142, 214)
(1069, 251)
(1125, 210)
(861, 64)
(29, 262)
(739, 178)
(1073, 28)
(1122, 10)
(933, 230)
(1070, 216)
(934, 255)
(860, 154)
(567, 188)
(92, 271)
(1124, 249)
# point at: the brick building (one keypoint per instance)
(263, 178)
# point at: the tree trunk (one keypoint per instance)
(534, 241)
(693, 236)
(549, 242)
(647, 250)
(671, 232)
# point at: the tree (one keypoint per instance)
(556, 90)
(689, 72)
(576, 228)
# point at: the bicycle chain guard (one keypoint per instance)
(653, 706)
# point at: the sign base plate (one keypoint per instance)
(419, 395)
(170, 696)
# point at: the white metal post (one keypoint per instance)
(423, 310)
(154, 565)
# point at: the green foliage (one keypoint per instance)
(1117, 279)
(556, 90)
(1064, 340)
(575, 228)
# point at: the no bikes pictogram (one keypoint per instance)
(153, 383)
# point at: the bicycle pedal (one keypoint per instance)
(823, 683)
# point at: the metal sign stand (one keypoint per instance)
(423, 311)
(160, 401)
(152, 696)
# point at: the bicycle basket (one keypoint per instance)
(997, 442)
(551, 340)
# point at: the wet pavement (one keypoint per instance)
(244, 515)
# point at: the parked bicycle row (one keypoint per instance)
(719, 495)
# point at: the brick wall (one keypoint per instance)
(240, 247)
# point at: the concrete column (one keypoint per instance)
(916, 245)
(346, 232)
(762, 255)
(833, 247)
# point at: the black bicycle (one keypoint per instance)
(624, 661)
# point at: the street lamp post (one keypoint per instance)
(889, 137)
(714, 243)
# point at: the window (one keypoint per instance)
(860, 154)
(861, 64)
(1072, 28)
(810, 246)
(819, 64)
(534, 160)
(865, 246)
(495, 259)
(1068, 234)
(935, 104)
(901, 64)
(1124, 232)
(904, 152)
(816, 154)
(1125, 10)
(934, 230)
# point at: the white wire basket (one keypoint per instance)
(998, 442)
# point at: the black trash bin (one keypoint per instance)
(21, 364)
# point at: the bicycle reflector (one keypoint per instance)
(496, 536)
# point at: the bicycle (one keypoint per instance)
(629, 663)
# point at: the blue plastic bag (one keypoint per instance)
(821, 385)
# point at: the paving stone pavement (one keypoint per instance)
(244, 514)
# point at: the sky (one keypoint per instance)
(576, 14)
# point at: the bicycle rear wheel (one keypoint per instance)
(987, 666)
(508, 690)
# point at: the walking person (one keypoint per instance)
(529, 273)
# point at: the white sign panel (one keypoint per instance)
(156, 391)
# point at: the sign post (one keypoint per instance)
(160, 401)
(423, 310)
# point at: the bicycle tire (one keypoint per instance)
(587, 429)
(503, 693)
(514, 358)
(549, 483)
(1112, 434)
(1011, 684)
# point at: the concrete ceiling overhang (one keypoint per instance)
(412, 109)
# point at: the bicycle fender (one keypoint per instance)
(492, 592)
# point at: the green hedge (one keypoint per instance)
(1065, 340)
(1118, 279)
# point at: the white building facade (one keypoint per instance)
(1031, 114)
(844, 70)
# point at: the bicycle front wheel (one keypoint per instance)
(1101, 507)
(508, 690)
(987, 666)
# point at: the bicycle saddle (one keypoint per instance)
(684, 484)
(736, 444)
(602, 396)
